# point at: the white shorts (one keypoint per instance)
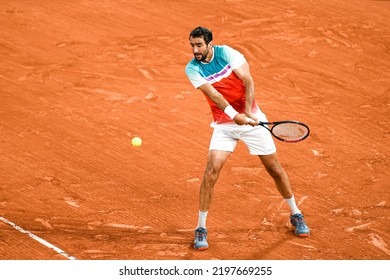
(258, 139)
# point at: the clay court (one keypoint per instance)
(80, 79)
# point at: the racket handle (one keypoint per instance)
(250, 120)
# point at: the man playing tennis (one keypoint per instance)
(223, 75)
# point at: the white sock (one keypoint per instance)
(293, 206)
(202, 219)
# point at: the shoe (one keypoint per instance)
(200, 242)
(301, 229)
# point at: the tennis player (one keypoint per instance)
(222, 74)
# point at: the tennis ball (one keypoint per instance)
(136, 141)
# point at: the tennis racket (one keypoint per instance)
(287, 131)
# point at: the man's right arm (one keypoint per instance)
(223, 104)
(214, 96)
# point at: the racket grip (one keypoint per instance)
(249, 119)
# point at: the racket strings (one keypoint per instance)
(290, 131)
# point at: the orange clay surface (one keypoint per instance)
(80, 79)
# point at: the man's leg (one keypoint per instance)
(273, 167)
(215, 161)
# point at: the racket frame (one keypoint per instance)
(274, 124)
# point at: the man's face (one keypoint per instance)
(200, 50)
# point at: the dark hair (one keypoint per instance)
(202, 32)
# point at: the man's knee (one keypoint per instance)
(275, 170)
(212, 173)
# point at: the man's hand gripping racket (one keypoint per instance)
(286, 131)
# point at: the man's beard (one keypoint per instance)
(203, 58)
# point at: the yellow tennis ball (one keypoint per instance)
(136, 141)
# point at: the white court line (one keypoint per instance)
(36, 238)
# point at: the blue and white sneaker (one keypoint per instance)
(200, 242)
(301, 229)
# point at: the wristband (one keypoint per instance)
(230, 111)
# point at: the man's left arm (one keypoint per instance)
(243, 73)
